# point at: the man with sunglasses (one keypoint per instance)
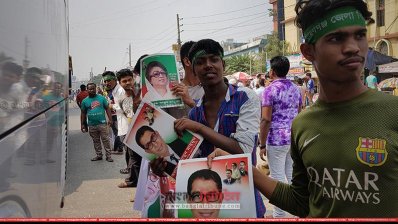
(151, 141)
(205, 186)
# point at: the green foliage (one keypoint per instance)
(251, 64)
(275, 47)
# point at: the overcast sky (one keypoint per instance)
(101, 30)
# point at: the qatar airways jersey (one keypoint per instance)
(345, 159)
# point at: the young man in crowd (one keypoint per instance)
(281, 102)
(128, 105)
(93, 109)
(226, 116)
(344, 147)
(115, 93)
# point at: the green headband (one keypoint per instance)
(202, 53)
(338, 18)
(109, 77)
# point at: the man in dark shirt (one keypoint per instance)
(83, 94)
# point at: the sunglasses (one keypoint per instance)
(157, 74)
(198, 197)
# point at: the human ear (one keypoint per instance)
(308, 51)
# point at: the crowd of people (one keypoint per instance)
(336, 158)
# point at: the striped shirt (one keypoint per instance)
(238, 118)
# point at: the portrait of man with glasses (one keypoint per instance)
(152, 142)
(205, 186)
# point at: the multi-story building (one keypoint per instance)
(382, 35)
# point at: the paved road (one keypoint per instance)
(91, 187)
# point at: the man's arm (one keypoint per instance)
(83, 120)
(217, 139)
(265, 124)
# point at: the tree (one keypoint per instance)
(249, 63)
(275, 47)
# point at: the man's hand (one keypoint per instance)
(217, 152)
(183, 124)
(158, 166)
(110, 123)
(263, 153)
(181, 90)
(83, 128)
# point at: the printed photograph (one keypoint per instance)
(152, 135)
(158, 73)
(224, 191)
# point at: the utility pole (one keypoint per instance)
(25, 61)
(130, 55)
(178, 30)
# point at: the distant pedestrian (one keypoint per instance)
(82, 95)
(281, 102)
(371, 81)
(93, 109)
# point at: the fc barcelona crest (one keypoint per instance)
(371, 152)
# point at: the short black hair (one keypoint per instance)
(123, 73)
(140, 133)
(208, 45)
(261, 82)
(151, 65)
(13, 68)
(205, 174)
(280, 65)
(137, 66)
(185, 50)
(91, 83)
(228, 170)
(309, 11)
(82, 87)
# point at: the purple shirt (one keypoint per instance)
(285, 99)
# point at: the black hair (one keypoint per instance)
(208, 45)
(123, 73)
(260, 83)
(185, 50)
(34, 71)
(137, 66)
(151, 65)
(309, 11)
(280, 65)
(82, 87)
(308, 74)
(13, 68)
(108, 73)
(242, 162)
(228, 170)
(205, 174)
(300, 81)
(91, 83)
(234, 164)
(140, 133)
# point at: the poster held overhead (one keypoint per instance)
(158, 74)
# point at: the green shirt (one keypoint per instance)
(95, 108)
(345, 159)
(55, 115)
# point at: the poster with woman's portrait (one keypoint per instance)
(158, 74)
(152, 135)
(215, 193)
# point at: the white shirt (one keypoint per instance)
(122, 122)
